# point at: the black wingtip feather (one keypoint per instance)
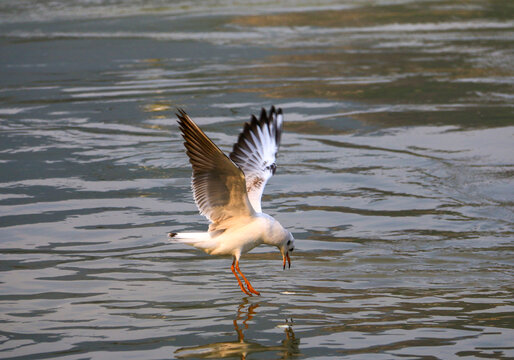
(270, 119)
(263, 115)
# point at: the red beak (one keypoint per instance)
(286, 257)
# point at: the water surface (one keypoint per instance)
(395, 176)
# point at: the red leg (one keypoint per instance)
(248, 285)
(239, 280)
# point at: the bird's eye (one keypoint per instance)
(288, 242)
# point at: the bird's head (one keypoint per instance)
(287, 247)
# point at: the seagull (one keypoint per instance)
(228, 189)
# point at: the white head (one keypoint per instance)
(286, 247)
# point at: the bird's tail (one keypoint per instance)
(202, 240)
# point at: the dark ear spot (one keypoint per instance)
(288, 242)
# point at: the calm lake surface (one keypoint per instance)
(395, 175)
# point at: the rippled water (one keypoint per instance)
(395, 176)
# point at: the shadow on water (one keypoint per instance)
(242, 347)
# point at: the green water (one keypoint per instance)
(394, 175)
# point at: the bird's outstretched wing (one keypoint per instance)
(219, 186)
(256, 150)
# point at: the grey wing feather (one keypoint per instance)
(219, 186)
(255, 152)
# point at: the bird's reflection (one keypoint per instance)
(242, 347)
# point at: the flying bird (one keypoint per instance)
(228, 191)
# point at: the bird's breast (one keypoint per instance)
(242, 239)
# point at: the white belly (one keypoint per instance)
(240, 240)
